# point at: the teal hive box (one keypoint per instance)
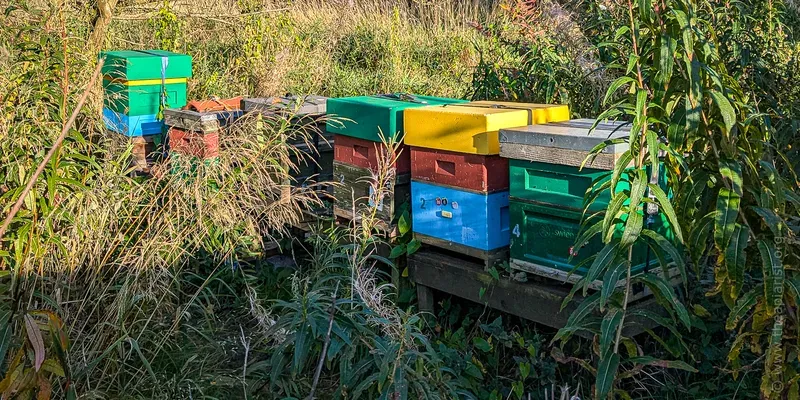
(367, 117)
(136, 65)
(138, 99)
(543, 238)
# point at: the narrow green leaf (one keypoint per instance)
(725, 109)
(667, 247)
(732, 172)
(773, 271)
(698, 238)
(775, 223)
(610, 279)
(653, 362)
(604, 259)
(576, 317)
(666, 208)
(664, 292)
(608, 331)
(735, 258)
(606, 374)
(623, 162)
(616, 85)
(652, 147)
(725, 220)
(633, 227)
(611, 215)
(742, 307)
(638, 187)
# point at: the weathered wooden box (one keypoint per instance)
(468, 171)
(445, 215)
(292, 105)
(146, 150)
(565, 143)
(473, 127)
(369, 117)
(204, 122)
(365, 154)
(194, 143)
(356, 186)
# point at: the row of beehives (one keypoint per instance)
(480, 176)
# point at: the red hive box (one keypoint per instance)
(475, 172)
(364, 153)
(191, 143)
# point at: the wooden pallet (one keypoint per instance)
(538, 301)
(489, 258)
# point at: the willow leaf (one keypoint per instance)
(606, 374)
(618, 83)
(775, 223)
(732, 172)
(604, 260)
(667, 247)
(666, 207)
(608, 331)
(611, 214)
(742, 307)
(610, 279)
(773, 271)
(735, 258)
(633, 227)
(664, 292)
(725, 109)
(725, 220)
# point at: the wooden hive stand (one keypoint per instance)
(434, 271)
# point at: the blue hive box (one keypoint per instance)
(461, 217)
(138, 125)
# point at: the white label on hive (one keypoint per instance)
(447, 214)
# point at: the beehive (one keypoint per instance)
(357, 187)
(547, 189)
(292, 105)
(135, 98)
(543, 239)
(138, 85)
(474, 220)
(367, 154)
(473, 127)
(139, 125)
(370, 117)
(475, 172)
(573, 140)
(194, 143)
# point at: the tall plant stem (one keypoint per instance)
(56, 146)
(639, 162)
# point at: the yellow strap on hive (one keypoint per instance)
(143, 82)
(473, 128)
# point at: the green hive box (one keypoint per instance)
(137, 99)
(136, 65)
(366, 117)
(542, 239)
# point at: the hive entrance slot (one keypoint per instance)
(361, 151)
(446, 167)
